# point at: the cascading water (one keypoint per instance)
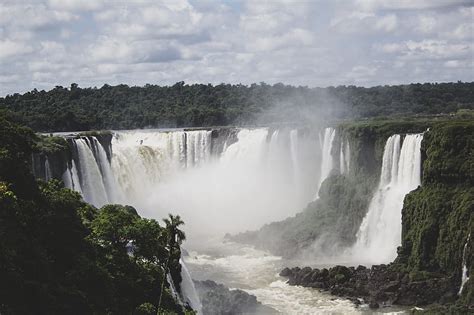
(294, 153)
(202, 176)
(188, 291)
(344, 156)
(112, 190)
(71, 178)
(92, 184)
(380, 231)
(75, 183)
(464, 276)
(327, 158)
(173, 290)
(153, 169)
(47, 170)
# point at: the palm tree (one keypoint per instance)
(175, 235)
(175, 239)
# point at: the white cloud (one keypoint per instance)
(372, 5)
(44, 43)
(364, 22)
(387, 23)
(10, 48)
(76, 5)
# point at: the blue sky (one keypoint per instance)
(309, 43)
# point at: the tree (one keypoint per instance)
(175, 235)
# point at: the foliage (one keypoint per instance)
(50, 144)
(59, 255)
(438, 217)
(182, 105)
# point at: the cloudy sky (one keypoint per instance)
(313, 43)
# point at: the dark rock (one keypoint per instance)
(286, 272)
(373, 304)
(380, 285)
(217, 299)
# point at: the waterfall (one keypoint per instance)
(75, 183)
(344, 156)
(67, 178)
(71, 178)
(110, 184)
(327, 158)
(200, 173)
(177, 148)
(92, 184)
(464, 277)
(47, 170)
(380, 232)
(198, 147)
(173, 290)
(294, 155)
(188, 291)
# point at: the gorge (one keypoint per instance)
(354, 177)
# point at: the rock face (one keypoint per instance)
(216, 299)
(381, 285)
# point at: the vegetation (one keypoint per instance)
(438, 216)
(181, 105)
(59, 255)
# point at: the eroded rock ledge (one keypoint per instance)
(217, 299)
(381, 285)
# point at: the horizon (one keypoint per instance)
(68, 87)
(48, 43)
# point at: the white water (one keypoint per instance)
(344, 156)
(256, 272)
(161, 172)
(75, 183)
(380, 232)
(71, 178)
(188, 291)
(47, 170)
(464, 277)
(182, 172)
(174, 292)
(112, 189)
(92, 184)
(327, 158)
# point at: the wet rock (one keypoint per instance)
(285, 272)
(380, 285)
(373, 304)
(216, 299)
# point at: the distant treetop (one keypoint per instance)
(199, 105)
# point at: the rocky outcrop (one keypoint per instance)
(381, 285)
(50, 157)
(216, 299)
(436, 221)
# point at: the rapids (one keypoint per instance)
(256, 272)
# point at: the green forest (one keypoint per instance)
(60, 255)
(197, 105)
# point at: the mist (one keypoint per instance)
(265, 175)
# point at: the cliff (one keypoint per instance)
(437, 219)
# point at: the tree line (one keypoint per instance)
(196, 105)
